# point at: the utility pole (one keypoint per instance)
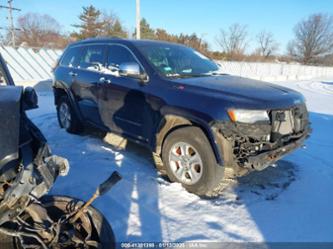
(138, 20)
(11, 20)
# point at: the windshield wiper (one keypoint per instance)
(193, 75)
(187, 75)
(215, 73)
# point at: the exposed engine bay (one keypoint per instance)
(257, 146)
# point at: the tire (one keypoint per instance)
(7, 242)
(208, 179)
(101, 229)
(67, 117)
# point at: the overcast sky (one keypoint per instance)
(205, 17)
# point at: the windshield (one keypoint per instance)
(177, 61)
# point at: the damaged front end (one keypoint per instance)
(256, 146)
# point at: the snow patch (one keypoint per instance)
(292, 202)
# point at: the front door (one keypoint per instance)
(122, 99)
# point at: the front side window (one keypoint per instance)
(118, 55)
(173, 60)
(92, 58)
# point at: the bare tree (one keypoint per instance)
(112, 25)
(267, 46)
(36, 30)
(233, 41)
(109, 19)
(313, 39)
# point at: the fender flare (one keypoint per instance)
(172, 121)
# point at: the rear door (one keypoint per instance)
(64, 73)
(87, 81)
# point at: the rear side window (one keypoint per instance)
(92, 58)
(71, 57)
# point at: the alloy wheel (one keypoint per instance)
(185, 163)
(65, 115)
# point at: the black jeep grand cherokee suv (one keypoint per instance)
(206, 126)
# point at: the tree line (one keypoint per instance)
(312, 43)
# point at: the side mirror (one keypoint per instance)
(30, 98)
(132, 69)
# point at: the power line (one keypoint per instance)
(7, 7)
(10, 18)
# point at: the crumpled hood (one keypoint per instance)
(238, 90)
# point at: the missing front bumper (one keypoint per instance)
(265, 159)
(250, 147)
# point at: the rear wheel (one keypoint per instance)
(67, 118)
(189, 159)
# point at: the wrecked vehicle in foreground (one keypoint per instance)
(28, 219)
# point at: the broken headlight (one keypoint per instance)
(247, 116)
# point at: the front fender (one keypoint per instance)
(176, 117)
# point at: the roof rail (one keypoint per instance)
(101, 38)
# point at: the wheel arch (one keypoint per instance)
(172, 122)
(59, 92)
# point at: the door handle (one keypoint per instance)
(72, 74)
(104, 80)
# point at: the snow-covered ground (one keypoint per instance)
(290, 203)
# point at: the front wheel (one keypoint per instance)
(189, 159)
